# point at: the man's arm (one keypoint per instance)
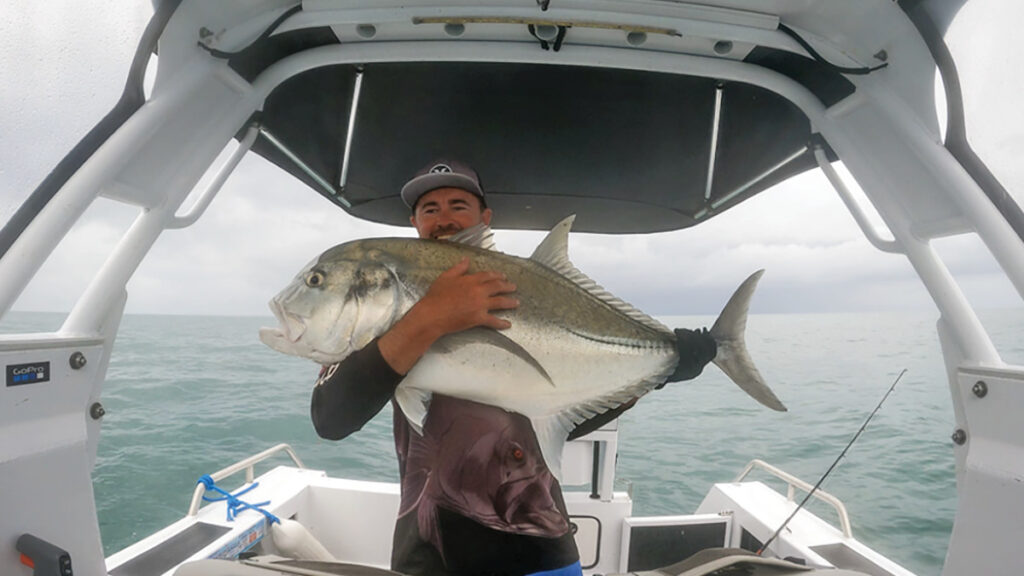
(456, 301)
(351, 392)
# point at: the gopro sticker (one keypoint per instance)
(21, 374)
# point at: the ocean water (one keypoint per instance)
(187, 395)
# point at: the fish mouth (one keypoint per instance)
(291, 327)
(287, 337)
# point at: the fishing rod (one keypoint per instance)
(834, 464)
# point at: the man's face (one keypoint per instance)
(445, 211)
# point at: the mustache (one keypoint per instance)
(445, 230)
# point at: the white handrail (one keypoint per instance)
(876, 240)
(246, 464)
(794, 482)
(203, 202)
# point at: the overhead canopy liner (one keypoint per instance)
(626, 151)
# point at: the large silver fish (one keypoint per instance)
(573, 350)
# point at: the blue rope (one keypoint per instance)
(234, 504)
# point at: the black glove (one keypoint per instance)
(696, 348)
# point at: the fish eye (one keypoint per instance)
(315, 279)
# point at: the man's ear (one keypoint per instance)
(412, 220)
(486, 216)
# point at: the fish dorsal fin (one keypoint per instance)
(553, 252)
(480, 236)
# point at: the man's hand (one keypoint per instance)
(456, 301)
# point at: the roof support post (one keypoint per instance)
(714, 139)
(356, 91)
(724, 199)
(303, 166)
(91, 309)
(34, 245)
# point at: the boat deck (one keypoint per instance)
(353, 520)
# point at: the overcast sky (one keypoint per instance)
(63, 64)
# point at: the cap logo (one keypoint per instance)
(441, 169)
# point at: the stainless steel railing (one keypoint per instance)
(793, 483)
(247, 464)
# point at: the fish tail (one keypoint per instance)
(732, 356)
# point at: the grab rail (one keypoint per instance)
(876, 240)
(247, 464)
(794, 482)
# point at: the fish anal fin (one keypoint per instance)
(551, 432)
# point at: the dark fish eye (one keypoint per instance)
(315, 279)
(518, 454)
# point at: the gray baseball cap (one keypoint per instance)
(441, 174)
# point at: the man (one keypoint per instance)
(459, 513)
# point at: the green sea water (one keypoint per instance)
(188, 395)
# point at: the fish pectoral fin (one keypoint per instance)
(414, 403)
(492, 337)
(551, 432)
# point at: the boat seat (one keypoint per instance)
(738, 562)
(277, 566)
